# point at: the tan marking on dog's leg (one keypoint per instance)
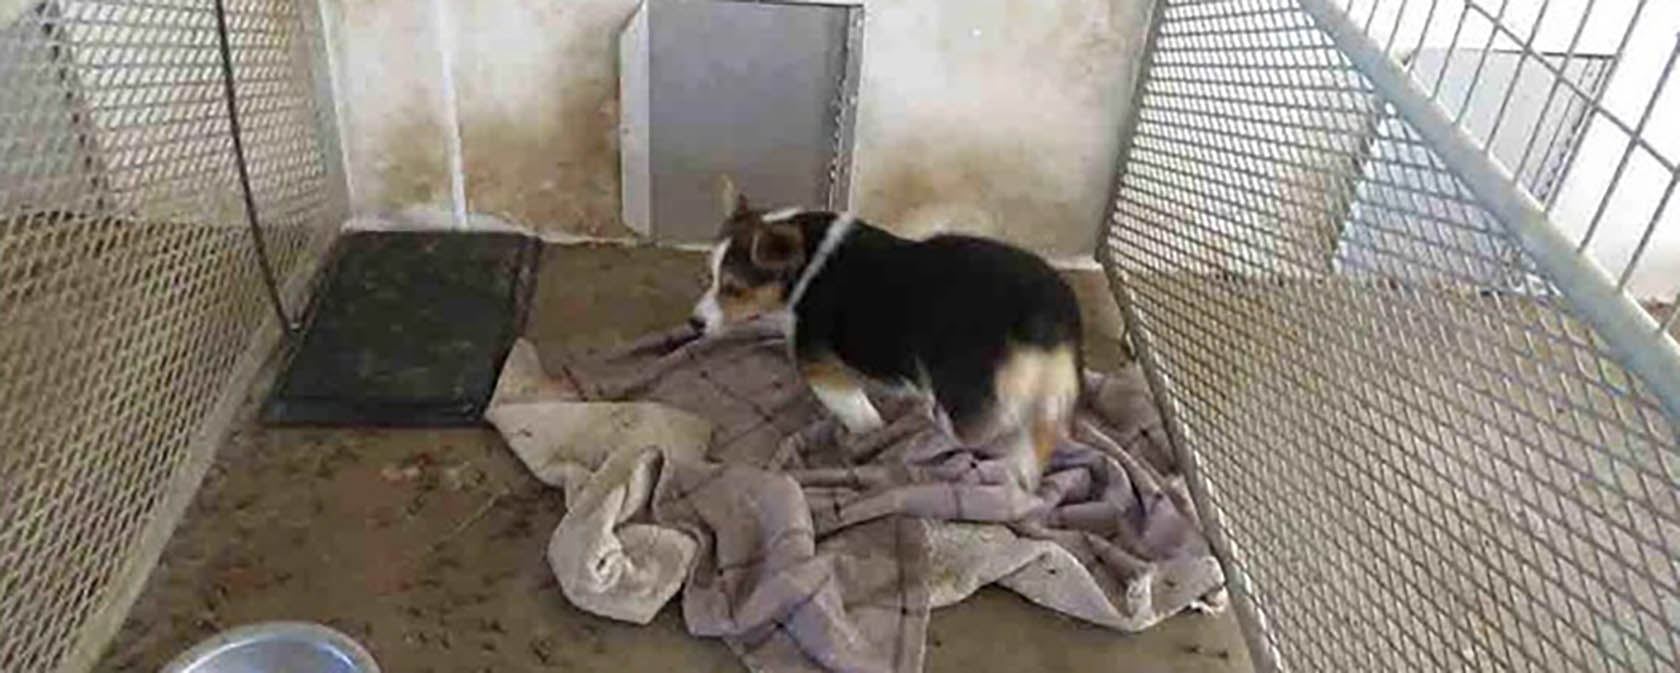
(1036, 393)
(1023, 463)
(1045, 437)
(838, 390)
(1058, 396)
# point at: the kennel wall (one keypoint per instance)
(1381, 261)
(134, 312)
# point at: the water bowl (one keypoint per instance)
(276, 647)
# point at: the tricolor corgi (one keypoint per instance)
(991, 331)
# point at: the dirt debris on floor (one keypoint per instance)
(427, 545)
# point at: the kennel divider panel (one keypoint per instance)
(132, 314)
(1402, 466)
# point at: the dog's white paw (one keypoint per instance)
(862, 420)
(851, 406)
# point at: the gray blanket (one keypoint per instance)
(805, 548)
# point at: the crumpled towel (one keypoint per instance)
(606, 456)
(704, 465)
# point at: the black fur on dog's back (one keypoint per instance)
(943, 314)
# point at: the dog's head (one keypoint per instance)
(757, 259)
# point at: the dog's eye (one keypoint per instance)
(731, 289)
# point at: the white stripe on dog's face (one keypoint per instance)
(707, 311)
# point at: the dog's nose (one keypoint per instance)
(696, 324)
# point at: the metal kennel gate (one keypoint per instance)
(134, 312)
(1428, 430)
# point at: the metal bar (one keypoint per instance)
(1238, 84)
(1260, 650)
(1184, 4)
(1481, 60)
(1423, 34)
(1627, 152)
(1262, 67)
(1452, 47)
(1224, 51)
(1599, 110)
(1568, 58)
(1226, 32)
(1650, 229)
(1195, 95)
(1595, 104)
(1511, 87)
(1400, 18)
(1625, 327)
(1268, 11)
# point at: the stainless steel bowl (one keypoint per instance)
(276, 647)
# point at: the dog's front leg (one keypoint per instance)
(839, 390)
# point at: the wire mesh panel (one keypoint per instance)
(128, 282)
(1415, 450)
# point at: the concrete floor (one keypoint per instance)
(426, 545)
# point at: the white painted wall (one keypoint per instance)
(1632, 205)
(993, 116)
(999, 116)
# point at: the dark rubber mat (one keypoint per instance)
(408, 328)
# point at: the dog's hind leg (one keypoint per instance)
(1037, 390)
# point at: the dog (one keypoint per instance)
(989, 330)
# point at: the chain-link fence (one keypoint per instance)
(130, 290)
(1377, 256)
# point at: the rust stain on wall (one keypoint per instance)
(406, 166)
(555, 170)
(996, 190)
(998, 117)
(538, 84)
(394, 127)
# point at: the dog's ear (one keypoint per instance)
(778, 247)
(730, 199)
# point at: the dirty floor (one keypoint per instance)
(427, 545)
